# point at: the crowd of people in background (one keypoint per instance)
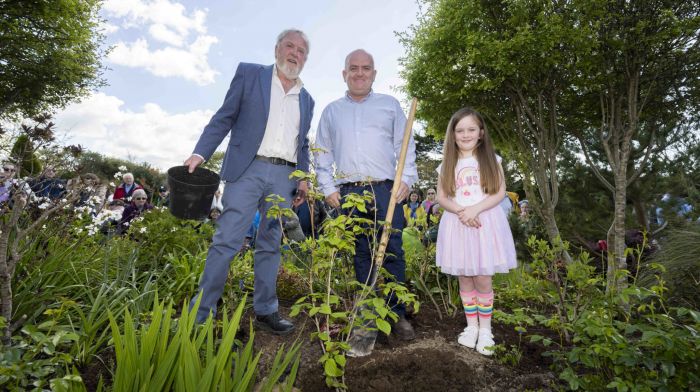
(87, 192)
(129, 200)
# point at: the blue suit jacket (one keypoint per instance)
(244, 114)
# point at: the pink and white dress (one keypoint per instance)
(468, 251)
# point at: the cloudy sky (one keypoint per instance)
(172, 62)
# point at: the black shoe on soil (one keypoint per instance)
(273, 323)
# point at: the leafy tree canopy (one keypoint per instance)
(50, 52)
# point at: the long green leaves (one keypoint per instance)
(181, 355)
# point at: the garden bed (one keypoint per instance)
(432, 362)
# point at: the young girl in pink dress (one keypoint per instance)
(474, 239)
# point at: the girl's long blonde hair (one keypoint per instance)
(484, 153)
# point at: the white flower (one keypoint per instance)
(111, 184)
(172, 229)
(122, 168)
(43, 227)
(118, 175)
(143, 230)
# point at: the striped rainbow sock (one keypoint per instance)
(485, 309)
(470, 308)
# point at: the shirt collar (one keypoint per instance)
(348, 97)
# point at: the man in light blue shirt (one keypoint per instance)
(361, 134)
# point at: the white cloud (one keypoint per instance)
(176, 44)
(165, 12)
(101, 124)
(189, 63)
(109, 28)
(164, 34)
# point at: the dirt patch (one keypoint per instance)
(434, 361)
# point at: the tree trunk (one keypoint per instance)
(6, 269)
(550, 225)
(641, 213)
(5, 284)
(616, 237)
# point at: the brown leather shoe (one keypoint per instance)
(403, 329)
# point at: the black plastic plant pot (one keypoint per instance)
(191, 193)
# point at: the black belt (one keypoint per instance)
(275, 161)
(367, 183)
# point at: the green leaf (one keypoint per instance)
(331, 369)
(383, 326)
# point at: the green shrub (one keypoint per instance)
(39, 359)
(680, 256)
(624, 340)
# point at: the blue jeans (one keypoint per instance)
(394, 261)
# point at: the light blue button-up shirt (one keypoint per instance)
(363, 140)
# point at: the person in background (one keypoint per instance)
(311, 227)
(506, 205)
(92, 193)
(139, 204)
(216, 201)
(162, 198)
(433, 220)
(126, 189)
(434, 214)
(214, 214)
(249, 240)
(524, 205)
(47, 185)
(429, 200)
(9, 185)
(410, 209)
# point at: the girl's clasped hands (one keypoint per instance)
(469, 216)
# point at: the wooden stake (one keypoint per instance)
(379, 256)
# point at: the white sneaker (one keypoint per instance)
(468, 337)
(486, 343)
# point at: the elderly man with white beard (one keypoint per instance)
(267, 113)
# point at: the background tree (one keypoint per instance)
(620, 77)
(428, 157)
(214, 163)
(512, 61)
(50, 52)
(637, 89)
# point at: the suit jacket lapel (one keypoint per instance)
(265, 85)
(303, 107)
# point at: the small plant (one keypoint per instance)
(39, 359)
(335, 301)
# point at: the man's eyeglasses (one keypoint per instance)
(139, 198)
(431, 193)
(8, 169)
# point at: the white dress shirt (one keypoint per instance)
(282, 129)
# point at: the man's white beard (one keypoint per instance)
(291, 73)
